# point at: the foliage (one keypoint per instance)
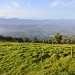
(35, 40)
(25, 39)
(25, 59)
(58, 38)
(66, 41)
(49, 41)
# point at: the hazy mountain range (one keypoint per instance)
(37, 28)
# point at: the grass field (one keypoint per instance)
(36, 59)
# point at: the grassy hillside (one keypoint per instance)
(36, 59)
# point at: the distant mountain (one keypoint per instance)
(37, 28)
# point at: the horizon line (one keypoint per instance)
(36, 18)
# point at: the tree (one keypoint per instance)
(8, 38)
(44, 41)
(58, 38)
(49, 41)
(64, 41)
(20, 39)
(72, 41)
(15, 39)
(35, 40)
(25, 39)
(2, 38)
(68, 41)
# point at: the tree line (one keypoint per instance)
(57, 40)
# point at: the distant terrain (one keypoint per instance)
(37, 28)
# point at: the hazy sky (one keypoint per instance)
(38, 9)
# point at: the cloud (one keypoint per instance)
(15, 4)
(22, 14)
(29, 2)
(16, 13)
(70, 3)
(39, 14)
(55, 3)
(6, 7)
(62, 3)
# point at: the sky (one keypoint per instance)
(38, 9)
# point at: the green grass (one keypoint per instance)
(25, 59)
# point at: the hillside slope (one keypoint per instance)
(36, 59)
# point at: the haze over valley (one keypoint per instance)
(30, 28)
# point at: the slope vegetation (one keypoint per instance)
(36, 59)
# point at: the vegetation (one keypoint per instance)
(58, 40)
(25, 59)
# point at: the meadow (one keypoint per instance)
(36, 59)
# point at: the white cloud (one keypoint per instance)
(55, 3)
(15, 4)
(7, 7)
(16, 13)
(62, 3)
(23, 14)
(39, 14)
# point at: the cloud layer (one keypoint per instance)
(62, 3)
(39, 8)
